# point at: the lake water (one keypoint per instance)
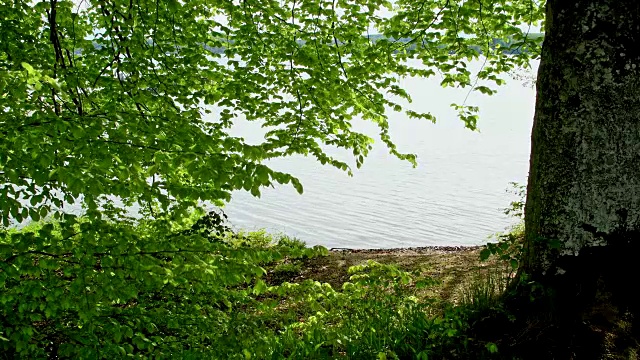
(454, 197)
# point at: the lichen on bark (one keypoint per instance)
(584, 182)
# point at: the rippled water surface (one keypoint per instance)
(454, 197)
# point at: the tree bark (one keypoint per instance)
(583, 196)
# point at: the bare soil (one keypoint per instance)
(531, 336)
(453, 267)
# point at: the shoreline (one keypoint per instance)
(419, 250)
(451, 266)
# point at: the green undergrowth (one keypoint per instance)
(193, 288)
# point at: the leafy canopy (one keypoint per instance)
(115, 99)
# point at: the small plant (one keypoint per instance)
(284, 271)
(257, 239)
(288, 268)
(485, 290)
(510, 245)
(375, 315)
(516, 208)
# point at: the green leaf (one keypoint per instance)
(514, 263)
(260, 287)
(262, 173)
(28, 67)
(491, 347)
(33, 213)
(485, 90)
(485, 254)
(297, 185)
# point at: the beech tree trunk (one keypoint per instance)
(583, 196)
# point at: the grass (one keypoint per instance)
(453, 268)
(462, 286)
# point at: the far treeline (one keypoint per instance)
(508, 46)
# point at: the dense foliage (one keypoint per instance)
(113, 104)
(193, 289)
(124, 98)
